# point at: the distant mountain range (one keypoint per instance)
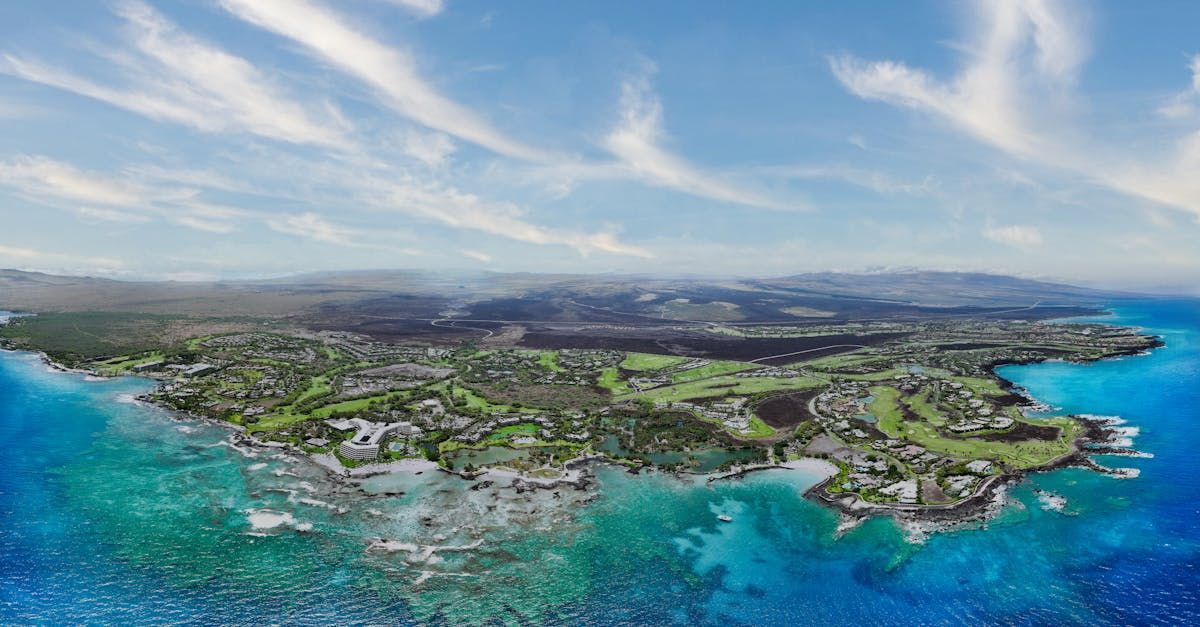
(549, 296)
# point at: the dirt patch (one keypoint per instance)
(1023, 431)
(697, 344)
(786, 410)
(547, 396)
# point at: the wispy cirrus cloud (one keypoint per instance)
(1017, 235)
(461, 210)
(391, 71)
(110, 198)
(169, 75)
(1021, 67)
(423, 8)
(44, 177)
(879, 182)
(314, 226)
(637, 142)
(103, 214)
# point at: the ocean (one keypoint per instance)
(116, 512)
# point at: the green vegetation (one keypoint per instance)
(722, 386)
(1020, 454)
(76, 337)
(549, 361)
(641, 362)
(714, 369)
(611, 381)
(891, 417)
(123, 364)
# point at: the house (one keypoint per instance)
(199, 370)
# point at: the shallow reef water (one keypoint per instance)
(112, 511)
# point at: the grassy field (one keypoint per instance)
(286, 417)
(647, 362)
(316, 387)
(720, 386)
(121, 365)
(549, 361)
(474, 400)
(713, 369)
(644, 362)
(611, 381)
(503, 433)
(1022, 454)
(758, 429)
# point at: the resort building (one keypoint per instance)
(369, 436)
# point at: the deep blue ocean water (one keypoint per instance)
(114, 512)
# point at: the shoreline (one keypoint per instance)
(983, 503)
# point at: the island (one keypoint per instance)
(909, 417)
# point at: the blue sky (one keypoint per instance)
(237, 138)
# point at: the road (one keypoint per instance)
(811, 350)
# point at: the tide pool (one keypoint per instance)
(115, 512)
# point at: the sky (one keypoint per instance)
(206, 139)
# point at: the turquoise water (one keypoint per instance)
(114, 512)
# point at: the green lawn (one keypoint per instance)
(549, 361)
(476, 401)
(524, 428)
(611, 381)
(642, 362)
(316, 386)
(1022, 454)
(713, 369)
(724, 386)
(119, 365)
(758, 429)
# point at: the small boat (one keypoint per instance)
(725, 518)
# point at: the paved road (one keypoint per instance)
(811, 350)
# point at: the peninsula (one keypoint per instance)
(908, 412)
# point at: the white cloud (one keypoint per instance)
(390, 71)
(174, 77)
(39, 176)
(63, 185)
(200, 223)
(1183, 104)
(1014, 235)
(432, 149)
(315, 227)
(478, 256)
(101, 214)
(423, 8)
(636, 142)
(1011, 93)
(467, 211)
(878, 182)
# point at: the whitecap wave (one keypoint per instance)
(1052, 502)
(268, 518)
(1105, 420)
(264, 519)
